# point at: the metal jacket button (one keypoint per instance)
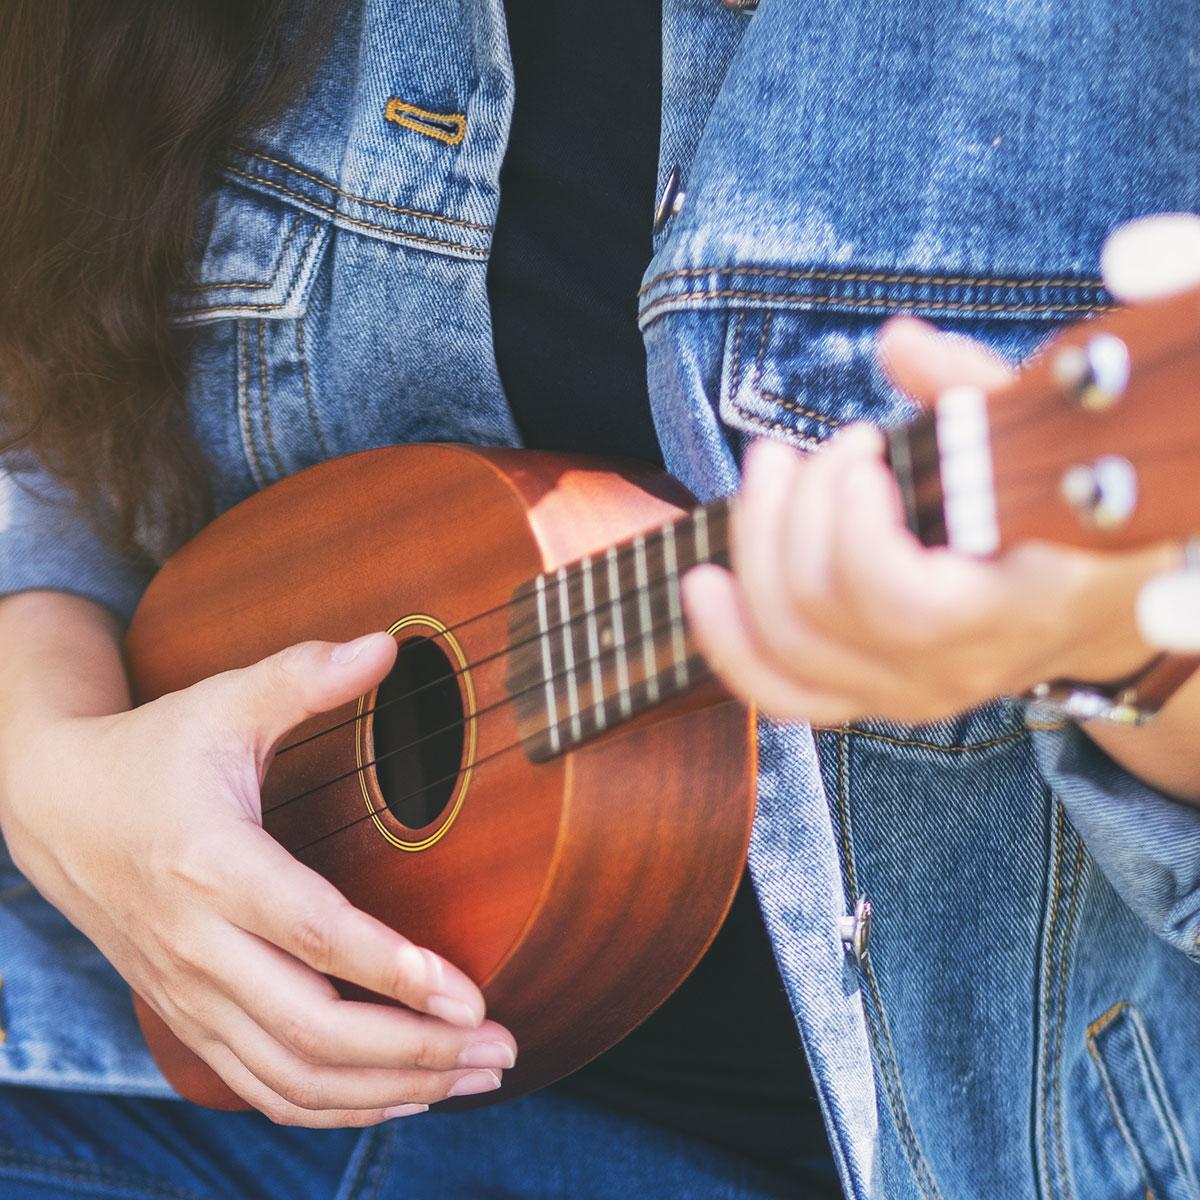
(670, 203)
(855, 930)
(741, 5)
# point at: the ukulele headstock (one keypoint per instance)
(1095, 443)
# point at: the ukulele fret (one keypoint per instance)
(593, 643)
(568, 640)
(618, 626)
(649, 650)
(571, 674)
(548, 665)
(674, 604)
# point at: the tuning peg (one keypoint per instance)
(1168, 607)
(1104, 493)
(1097, 371)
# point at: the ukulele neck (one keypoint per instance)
(602, 640)
(912, 453)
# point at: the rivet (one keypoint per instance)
(741, 5)
(670, 204)
(855, 930)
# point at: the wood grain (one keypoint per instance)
(579, 892)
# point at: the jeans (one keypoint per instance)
(66, 1144)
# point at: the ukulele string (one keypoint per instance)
(445, 779)
(508, 699)
(627, 596)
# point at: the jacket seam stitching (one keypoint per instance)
(341, 216)
(1060, 1024)
(1048, 976)
(874, 1013)
(884, 302)
(735, 379)
(735, 370)
(782, 401)
(1156, 1086)
(960, 748)
(393, 208)
(1135, 1151)
(273, 307)
(202, 286)
(826, 276)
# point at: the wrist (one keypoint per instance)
(60, 660)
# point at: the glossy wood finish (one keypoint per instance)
(578, 892)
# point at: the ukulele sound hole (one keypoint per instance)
(418, 734)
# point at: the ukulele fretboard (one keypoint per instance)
(603, 639)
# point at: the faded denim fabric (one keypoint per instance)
(1024, 1023)
(58, 1145)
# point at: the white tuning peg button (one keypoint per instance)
(1168, 610)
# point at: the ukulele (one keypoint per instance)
(549, 789)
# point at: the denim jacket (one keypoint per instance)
(1024, 1022)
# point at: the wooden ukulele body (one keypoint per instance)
(578, 892)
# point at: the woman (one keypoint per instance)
(341, 286)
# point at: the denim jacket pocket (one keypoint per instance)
(244, 307)
(1145, 1128)
(800, 364)
(255, 260)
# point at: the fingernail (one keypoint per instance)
(487, 1054)
(347, 652)
(404, 1110)
(476, 1083)
(454, 1011)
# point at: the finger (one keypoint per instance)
(305, 915)
(719, 626)
(771, 474)
(1154, 257)
(335, 1089)
(924, 363)
(265, 701)
(807, 539)
(304, 1013)
(903, 596)
(784, 512)
(245, 1084)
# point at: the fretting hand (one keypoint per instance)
(834, 612)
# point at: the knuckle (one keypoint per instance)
(317, 934)
(360, 1118)
(427, 1053)
(185, 955)
(196, 863)
(278, 1111)
(290, 670)
(301, 1091)
(304, 1037)
(405, 975)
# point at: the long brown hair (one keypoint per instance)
(112, 115)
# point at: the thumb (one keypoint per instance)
(924, 363)
(272, 697)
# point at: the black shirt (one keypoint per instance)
(721, 1059)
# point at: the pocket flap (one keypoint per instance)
(256, 257)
